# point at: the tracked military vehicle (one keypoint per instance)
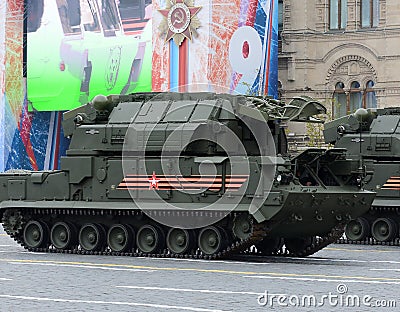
(373, 137)
(197, 175)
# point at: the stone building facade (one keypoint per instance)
(346, 53)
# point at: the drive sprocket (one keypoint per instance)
(13, 222)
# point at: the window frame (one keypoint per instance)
(350, 92)
(374, 13)
(341, 19)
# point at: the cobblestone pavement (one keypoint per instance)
(338, 277)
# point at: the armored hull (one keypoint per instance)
(373, 137)
(185, 175)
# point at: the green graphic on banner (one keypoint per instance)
(77, 49)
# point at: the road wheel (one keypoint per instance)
(150, 239)
(384, 229)
(63, 235)
(92, 237)
(211, 240)
(120, 237)
(180, 241)
(357, 229)
(36, 234)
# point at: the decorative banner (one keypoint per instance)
(92, 47)
(2, 78)
(235, 46)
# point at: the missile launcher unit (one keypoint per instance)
(196, 175)
(373, 137)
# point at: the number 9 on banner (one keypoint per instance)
(247, 64)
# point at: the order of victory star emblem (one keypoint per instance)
(180, 20)
(153, 182)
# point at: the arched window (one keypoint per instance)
(347, 101)
(369, 13)
(339, 101)
(355, 97)
(369, 95)
(337, 14)
(280, 87)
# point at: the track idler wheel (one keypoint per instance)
(297, 246)
(269, 246)
(92, 237)
(357, 229)
(384, 229)
(120, 238)
(63, 235)
(211, 240)
(180, 241)
(150, 239)
(36, 234)
(242, 226)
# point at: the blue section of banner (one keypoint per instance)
(173, 66)
(266, 25)
(261, 26)
(273, 66)
(39, 135)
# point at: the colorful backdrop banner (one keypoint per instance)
(216, 45)
(3, 11)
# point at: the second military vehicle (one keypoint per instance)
(198, 175)
(373, 137)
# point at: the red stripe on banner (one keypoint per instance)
(183, 65)
(251, 12)
(271, 14)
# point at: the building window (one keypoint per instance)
(355, 97)
(337, 14)
(369, 95)
(280, 18)
(347, 101)
(369, 13)
(339, 101)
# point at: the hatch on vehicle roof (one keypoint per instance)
(151, 112)
(124, 113)
(180, 111)
(386, 124)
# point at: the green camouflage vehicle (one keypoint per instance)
(373, 136)
(197, 175)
